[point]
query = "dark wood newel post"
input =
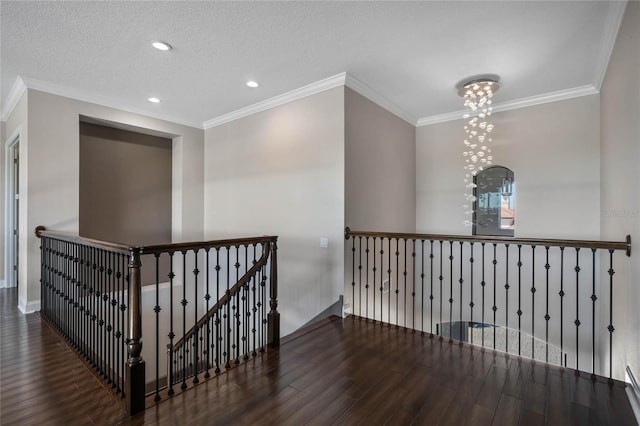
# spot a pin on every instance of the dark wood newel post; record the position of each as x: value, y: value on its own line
x: 135, y: 366
x: 273, y: 326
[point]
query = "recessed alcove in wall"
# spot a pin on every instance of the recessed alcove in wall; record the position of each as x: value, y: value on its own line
x: 125, y: 188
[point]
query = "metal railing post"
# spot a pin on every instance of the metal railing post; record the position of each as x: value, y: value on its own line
x: 135, y: 366
x: 273, y: 318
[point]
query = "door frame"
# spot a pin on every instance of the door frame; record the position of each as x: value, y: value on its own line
x: 9, y: 212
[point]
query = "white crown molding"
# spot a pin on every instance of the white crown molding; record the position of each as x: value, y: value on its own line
x: 366, y: 91
x: 342, y: 79
x: 440, y: 118
x: 560, y: 95
x: 15, y: 94
x: 293, y: 95
x: 613, y: 24
x: 108, y: 102
x: 545, y: 98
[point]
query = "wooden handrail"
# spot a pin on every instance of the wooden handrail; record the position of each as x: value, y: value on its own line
x: 608, y: 245
x: 198, y: 245
x: 41, y: 231
x: 225, y: 298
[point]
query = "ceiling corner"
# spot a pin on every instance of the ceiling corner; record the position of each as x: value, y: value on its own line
x: 358, y: 86
x: 614, y: 21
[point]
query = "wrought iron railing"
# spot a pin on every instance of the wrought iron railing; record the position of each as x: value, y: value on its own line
x: 93, y: 294
x: 523, y: 296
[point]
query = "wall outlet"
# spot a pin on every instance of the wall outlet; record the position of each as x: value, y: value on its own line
x: 324, y: 242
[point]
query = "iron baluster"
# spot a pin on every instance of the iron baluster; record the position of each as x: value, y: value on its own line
x: 561, y: 294
x: 366, y: 285
x: 450, y: 289
x: 593, y: 314
x: 519, y: 313
x: 218, y: 338
x: 236, y: 309
x: 610, y: 328
x: 156, y: 309
x: 471, y: 304
x: 353, y: 272
x: 506, y: 290
x: 547, y: 266
x: 184, y: 302
x: 494, y: 308
x: 413, y: 279
x: 483, y: 284
x: 431, y: 285
x: 196, y: 358
x: 439, y: 331
x: 577, y: 321
x: 207, y: 297
x: 460, y: 281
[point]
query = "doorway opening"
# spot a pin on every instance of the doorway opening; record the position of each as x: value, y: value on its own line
x: 12, y: 209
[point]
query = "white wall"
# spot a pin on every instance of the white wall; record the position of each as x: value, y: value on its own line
x: 50, y: 166
x: 620, y: 162
x: 281, y: 172
x: 553, y: 149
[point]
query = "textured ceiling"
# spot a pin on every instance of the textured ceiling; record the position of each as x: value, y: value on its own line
x: 411, y: 53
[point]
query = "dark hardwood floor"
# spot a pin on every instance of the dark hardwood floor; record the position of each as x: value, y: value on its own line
x: 340, y: 372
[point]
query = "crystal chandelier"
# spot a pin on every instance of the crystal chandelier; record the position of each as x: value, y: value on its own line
x: 477, y: 93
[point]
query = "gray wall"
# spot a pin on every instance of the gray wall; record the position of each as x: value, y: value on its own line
x: 125, y: 186
x: 281, y: 172
x: 620, y: 163
x: 380, y: 173
x: 380, y: 181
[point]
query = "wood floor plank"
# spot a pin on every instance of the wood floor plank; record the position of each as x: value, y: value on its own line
x: 508, y: 411
x: 344, y: 371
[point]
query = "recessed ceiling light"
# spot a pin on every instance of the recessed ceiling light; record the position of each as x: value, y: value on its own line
x: 154, y: 100
x: 160, y: 45
x: 252, y: 84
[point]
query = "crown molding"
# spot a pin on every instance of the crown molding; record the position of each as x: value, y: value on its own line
x: 366, y: 91
x: 15, y: 94
x: 613, y: 24
x: 440, y: 118
x: 78, y: 95
x: 560, y: 95
x: 342, y: 79
x: 293, y: 95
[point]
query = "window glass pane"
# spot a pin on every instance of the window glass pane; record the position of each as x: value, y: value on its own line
x: 494, y: 208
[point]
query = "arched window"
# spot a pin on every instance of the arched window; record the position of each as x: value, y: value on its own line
x: 494, y: 208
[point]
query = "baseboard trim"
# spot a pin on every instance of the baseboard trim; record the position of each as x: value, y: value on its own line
x: 28, y: 307
x: 633, y: 392
x: 334, y: 309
